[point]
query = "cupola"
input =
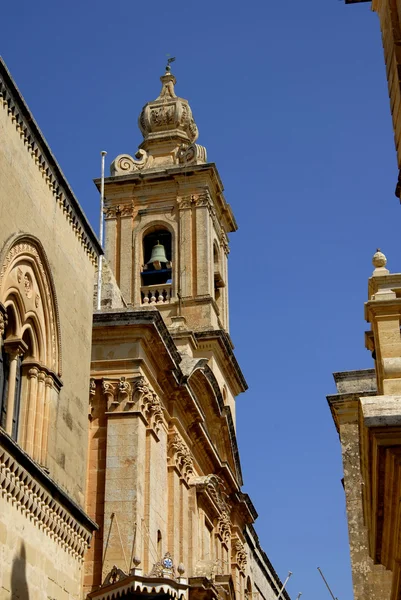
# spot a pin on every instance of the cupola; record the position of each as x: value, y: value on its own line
x: 169, y: 134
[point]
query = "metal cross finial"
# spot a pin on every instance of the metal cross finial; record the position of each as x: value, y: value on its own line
x: 170, y: 60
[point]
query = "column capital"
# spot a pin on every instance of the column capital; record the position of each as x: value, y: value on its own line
x: 15, y: 347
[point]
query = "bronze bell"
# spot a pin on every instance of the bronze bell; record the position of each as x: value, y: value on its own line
x: 158, y: 256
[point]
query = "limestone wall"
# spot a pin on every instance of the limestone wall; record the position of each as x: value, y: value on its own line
x: 27, y: 205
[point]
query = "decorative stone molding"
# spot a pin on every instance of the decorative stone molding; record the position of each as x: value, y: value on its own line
x: 214, y: 487
x: 124, y: 395
x: 124, y: 163
x: 168, y: 114
x: 26, y: 248
x: 36, y: 146
x: 149, y: 403
x: 239, y: 555
x: 118, y: 584
x: 164, y: 568
x: 29, y: 497
x: 224, y: 527
x: 194, y: 154
x: 180, y: 456
x: 112, y: 212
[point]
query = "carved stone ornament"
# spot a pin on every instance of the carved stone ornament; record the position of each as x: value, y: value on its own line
x: 114, y: 576
x: 239, y: 554
x: 92, y: 387
x: 112, y: 212
x: 224, y: 528
x: 164, y: 568
x: 124, y: 163
x: 180, y: 456
x: 193, y: 154
x: 118, y: 394
x: 26, y: 249
x: 34, y: 500
x: 214, y: 487
x: 148, y: 402
x: 168, y: 113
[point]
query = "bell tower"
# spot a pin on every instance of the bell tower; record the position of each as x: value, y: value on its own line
x: 167, y: 221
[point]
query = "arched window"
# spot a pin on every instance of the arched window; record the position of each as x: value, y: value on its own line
x: 218, y: 279
x: 159, y: 544
x: 30, y: 364
x: 156, y: 271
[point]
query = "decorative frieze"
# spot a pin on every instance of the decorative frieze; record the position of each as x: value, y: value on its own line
x: 119, y: 210
x: 28, y: 496
x: 123, y: 395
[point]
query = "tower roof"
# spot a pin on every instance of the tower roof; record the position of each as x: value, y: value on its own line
x: 169, y: 134
x: 167, y: 117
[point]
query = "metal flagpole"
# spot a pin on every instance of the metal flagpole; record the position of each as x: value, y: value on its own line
x: 99, y: 272
x: 327, y: 585
x: 285, y: 583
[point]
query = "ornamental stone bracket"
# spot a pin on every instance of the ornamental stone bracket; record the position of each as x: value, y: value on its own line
x: 180, y: 456
x: 223, y: 528
x: 238, y: 554
x: 130, y: 396
x: 213, y: 488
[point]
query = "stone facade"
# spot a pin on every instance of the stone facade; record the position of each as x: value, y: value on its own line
x: 367, y: 408
x: 119, y: 466
x: 164, y: 478
x: 46, y: 274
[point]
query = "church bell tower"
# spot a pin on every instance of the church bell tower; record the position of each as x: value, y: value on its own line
x: 166, y: 219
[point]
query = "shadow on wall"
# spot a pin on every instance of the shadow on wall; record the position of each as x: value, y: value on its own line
x: 19, y: 585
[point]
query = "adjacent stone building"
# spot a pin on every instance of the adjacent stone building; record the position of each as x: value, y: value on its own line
x: 48, y: 254
x: 367, y: 408
x: 119, y: 466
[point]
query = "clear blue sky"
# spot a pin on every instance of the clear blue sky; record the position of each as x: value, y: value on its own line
x: 291, y: 102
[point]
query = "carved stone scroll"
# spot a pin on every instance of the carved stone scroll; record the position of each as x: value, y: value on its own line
x: 194, y: 154
x: 124, y: 163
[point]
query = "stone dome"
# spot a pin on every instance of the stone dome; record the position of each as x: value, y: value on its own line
x: 168, y: 118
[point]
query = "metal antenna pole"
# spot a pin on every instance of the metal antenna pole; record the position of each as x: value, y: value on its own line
x: 299, y: 595
x: 285, y: 583
x: 99, y: 272
x: 327, y: 585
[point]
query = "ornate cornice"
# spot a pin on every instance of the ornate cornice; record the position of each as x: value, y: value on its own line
x: 31, y: 136
x: 38, y: 498
x: 132, y: 395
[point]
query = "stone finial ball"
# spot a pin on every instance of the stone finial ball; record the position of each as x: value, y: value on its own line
x: 379, y: 259
x: 181, y: 569
x: 136, y: 561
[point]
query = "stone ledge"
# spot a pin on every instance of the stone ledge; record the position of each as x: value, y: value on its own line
x: 24, y: 483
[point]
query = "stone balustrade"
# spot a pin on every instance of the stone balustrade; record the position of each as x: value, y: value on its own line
x: 156, y: 294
